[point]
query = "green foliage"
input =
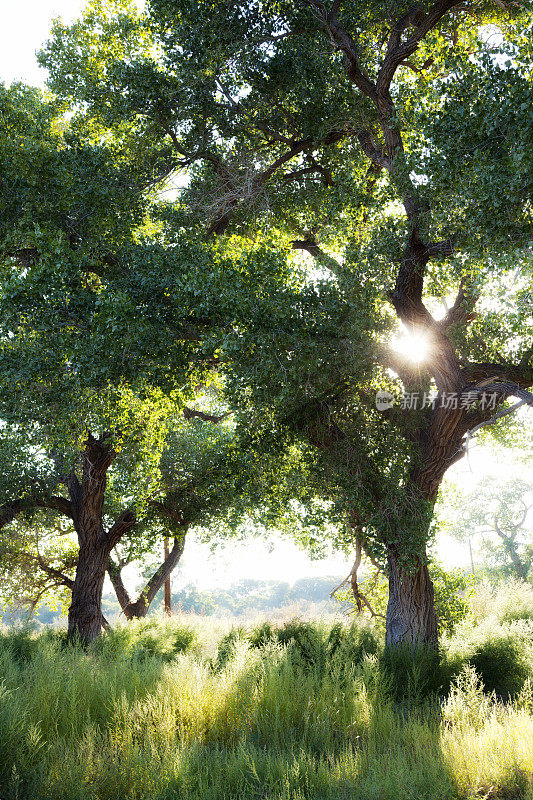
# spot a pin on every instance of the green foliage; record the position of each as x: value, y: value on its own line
x: 222, y: 95
x: 139, y: 639
x: 115, y: 304
x: 146, y: 638
x: 451, y: 596
x: 501, y: 666
x: 411, y: 676
x: 311, y: 646
x: 494, y: 518
x: 226, y: 648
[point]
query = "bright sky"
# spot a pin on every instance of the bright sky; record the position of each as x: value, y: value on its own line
x: 24, y: 29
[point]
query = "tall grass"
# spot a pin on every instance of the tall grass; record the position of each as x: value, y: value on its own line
x: 294, y: 711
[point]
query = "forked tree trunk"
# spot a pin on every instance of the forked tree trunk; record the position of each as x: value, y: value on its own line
x: 411, y: 617
x: 139, y: 608
x: 87, y: 501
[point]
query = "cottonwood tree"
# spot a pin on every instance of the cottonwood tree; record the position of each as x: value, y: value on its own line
x: 103, y: 333
x: 389, y: 142
x: 94, y: 493
x: 497, y: 517
x: 74, y: 392
x: 38, y: 549
x: 205, y: 477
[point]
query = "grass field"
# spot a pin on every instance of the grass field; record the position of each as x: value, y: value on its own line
x: 193, y: 709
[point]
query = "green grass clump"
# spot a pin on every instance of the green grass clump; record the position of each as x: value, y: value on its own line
x: 147, y: 637
x: 317, y: 647
x: 501, y: 665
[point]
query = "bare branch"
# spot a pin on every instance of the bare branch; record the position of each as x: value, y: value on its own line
x: 361, y: 601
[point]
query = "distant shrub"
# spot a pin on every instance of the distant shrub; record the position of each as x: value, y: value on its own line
x: 147, y: 637
x: 501, y: 666
x: 226, y: 648
x: 508, y: 601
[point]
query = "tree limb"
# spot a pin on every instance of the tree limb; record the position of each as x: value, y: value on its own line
x: 311, y: 246
x: 190, y: 413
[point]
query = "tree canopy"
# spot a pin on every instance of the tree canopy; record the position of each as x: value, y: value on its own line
x: 346, y: 170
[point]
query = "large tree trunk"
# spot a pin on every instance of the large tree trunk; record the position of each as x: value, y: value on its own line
x: 85, y: 612
x: 411, y: 617
x: 85, y: 618
x: 168, y: 595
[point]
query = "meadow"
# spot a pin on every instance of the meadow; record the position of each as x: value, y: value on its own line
x: 194, y: 708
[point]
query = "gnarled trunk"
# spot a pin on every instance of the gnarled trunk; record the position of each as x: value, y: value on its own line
x: 411, y: 617
x: 85, y: 612
x: 85, y: 618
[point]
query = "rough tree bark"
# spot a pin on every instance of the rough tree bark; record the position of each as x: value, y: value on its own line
x: 95, y: 542
x: 411, y: 617
x: 168, y: 595
x: 85, y: 508
x: 139, y: 608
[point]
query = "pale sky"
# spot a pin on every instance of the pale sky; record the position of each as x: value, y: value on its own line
x: 24, y: 28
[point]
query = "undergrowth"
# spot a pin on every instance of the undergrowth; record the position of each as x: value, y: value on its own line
x: 163, y: 709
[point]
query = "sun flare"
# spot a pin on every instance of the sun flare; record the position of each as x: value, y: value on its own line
x: 413, y: 346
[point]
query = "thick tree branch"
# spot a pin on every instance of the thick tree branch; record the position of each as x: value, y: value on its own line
x: 115, y: 575
x: 60, y: 504
x: 9, y: 511
x: 398, y: 50
x: 311, y: 246
x: 61, y: 578
x: 139, y: 607
x: 462, y: 309
x: 342, y: 39
x: 520, y: 374
x: 503, y: 390
x: 159, y: 577
x: 190, y: 413
x: 122, y: 525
